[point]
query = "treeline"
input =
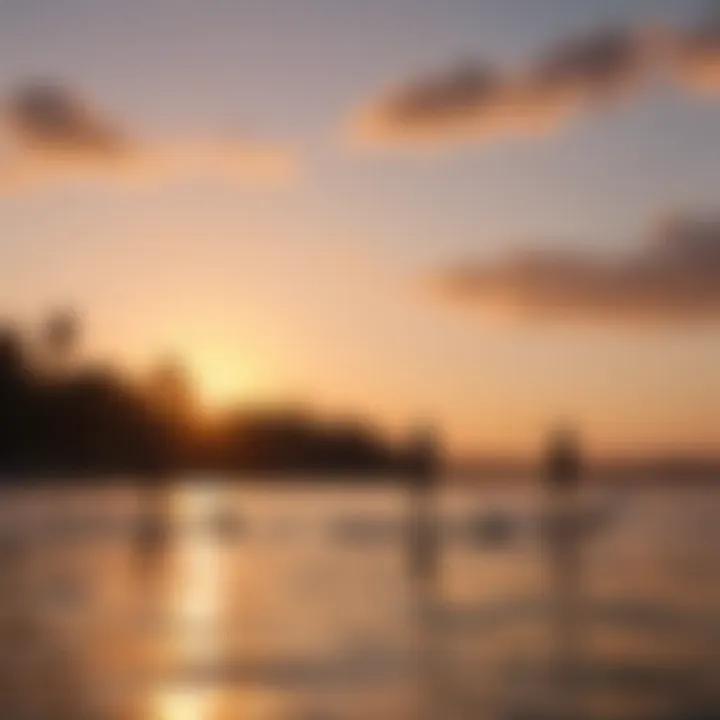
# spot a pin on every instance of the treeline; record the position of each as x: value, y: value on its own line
x: 63, y: 418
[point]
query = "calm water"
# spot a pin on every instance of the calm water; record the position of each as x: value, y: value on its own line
x: 297, y: 603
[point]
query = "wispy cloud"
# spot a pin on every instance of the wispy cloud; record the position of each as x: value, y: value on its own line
x: 673, y: 277
x: 49, y: 134
x: 480, y: 102
x: 696, y: 58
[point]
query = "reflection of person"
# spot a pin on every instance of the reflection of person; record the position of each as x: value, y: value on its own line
x: 152, y: 531
x: 152, y: 546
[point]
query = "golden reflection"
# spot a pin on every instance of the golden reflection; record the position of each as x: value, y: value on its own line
x: 185, y: 704
x: 193, y: 605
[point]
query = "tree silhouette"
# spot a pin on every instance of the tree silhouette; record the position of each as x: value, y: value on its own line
x: 60, y: 417
x: 61, y: 336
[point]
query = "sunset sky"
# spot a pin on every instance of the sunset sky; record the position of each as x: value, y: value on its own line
x: 203, y: 179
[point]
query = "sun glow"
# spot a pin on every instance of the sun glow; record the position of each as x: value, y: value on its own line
x: 222, y: 383
x: 219, y: 392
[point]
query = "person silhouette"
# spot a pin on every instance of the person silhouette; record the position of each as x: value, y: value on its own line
x: 563, y: 464
x: 423, y: 469
x: 562, y: 476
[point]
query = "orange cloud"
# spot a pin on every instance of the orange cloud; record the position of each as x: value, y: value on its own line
x: 478, y: 102
x: 51, y: 135
x: 697, y: 59
x: 674, y: 277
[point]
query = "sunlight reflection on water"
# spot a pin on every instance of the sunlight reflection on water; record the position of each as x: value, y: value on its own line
x: 301, y: 606
x: 195, y: 598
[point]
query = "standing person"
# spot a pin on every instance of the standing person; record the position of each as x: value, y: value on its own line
x: 562, y: 476
x: 423, y: 466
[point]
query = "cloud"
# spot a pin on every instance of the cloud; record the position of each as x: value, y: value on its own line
x: 674, y: 277
x: 49, y: 134
x: 479, y: 102
x: 50, y: 117
x: 697, y: 59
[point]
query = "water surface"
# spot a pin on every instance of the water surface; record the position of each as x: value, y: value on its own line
x: 296, y: 601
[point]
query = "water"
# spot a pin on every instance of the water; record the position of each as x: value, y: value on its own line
x: 296, y: 602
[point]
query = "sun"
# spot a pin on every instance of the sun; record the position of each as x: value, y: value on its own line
x: 222, y: 383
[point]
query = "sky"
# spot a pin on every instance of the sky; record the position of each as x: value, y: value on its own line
x: 206, y: 192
